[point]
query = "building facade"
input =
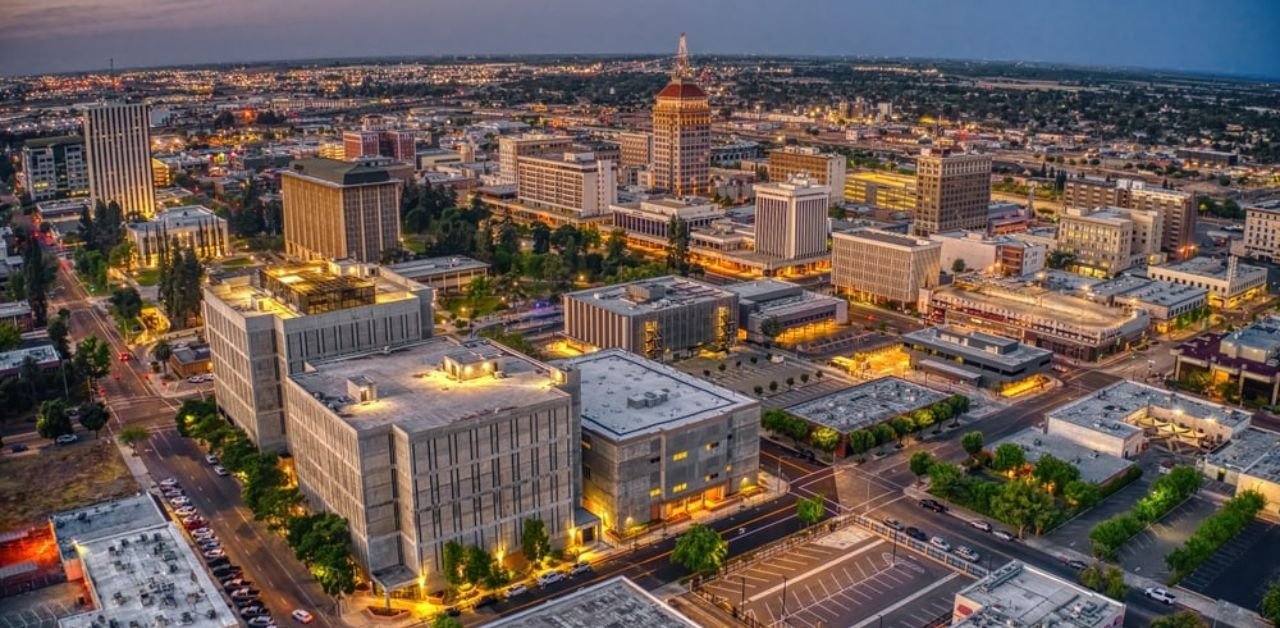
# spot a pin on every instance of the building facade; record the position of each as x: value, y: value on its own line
x: 193, y: 226
x: 1175, y: 207
x: 953, y: 192
x: 1262, y: 231
x: 881, y: 189
x: 357, y: 144
x: 821, y: 168
x: 54, y: 167
x: 1229, y: 283
x: 573, y: 183
x: 682, y: 135
x: 990, y: 360
x: 791, y: 218
x: 512, y: 148
x: 794, y: 310
x: 117, y: 139
x: 336, y: 210
x: 884, y: 267
x: 657, y: 318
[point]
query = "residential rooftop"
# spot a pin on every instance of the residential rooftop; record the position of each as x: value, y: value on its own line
x: 1094, y: 466
x: 432, y: 384
x: 625, y: 395
x: 42, y: 354
x: 866, y: 404
x: 980, y: 346
x: 1116, y: 407
x: 1254, y: 452
x: 651, y: 295
x: 614, y: 603
x: 1021, y: 595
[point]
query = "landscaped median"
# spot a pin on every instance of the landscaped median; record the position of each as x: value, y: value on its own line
x: 1165, y: 495
x: 1214, y: 532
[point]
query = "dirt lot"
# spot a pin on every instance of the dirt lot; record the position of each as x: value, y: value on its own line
x: 60, y: 478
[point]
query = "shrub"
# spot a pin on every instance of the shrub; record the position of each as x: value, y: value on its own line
x: 1214, y: 532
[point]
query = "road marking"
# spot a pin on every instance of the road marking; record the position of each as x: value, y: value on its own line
x: 907, y: 600
x: 818, y: 569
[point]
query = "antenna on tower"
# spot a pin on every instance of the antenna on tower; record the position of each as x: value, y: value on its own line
x: 682, y: 59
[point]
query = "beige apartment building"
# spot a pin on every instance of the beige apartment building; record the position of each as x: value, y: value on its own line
x: 1176, y: 208
x: 1262, y: 231
x: 264, y: 326
x: 445, y: 440
x: 335, y: 210
x: 791, y: 218
x: 570, y: 183
x: 511, y: 149
x: 822, y: 168
x: 1108, y: 240
x: 636, y: 149
x: 953, y: 192
x: 884, y: 267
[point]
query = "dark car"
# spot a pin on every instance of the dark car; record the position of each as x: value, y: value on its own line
x: 932, y: 504
x: 19, y: 448
x: 1075, y: 563
x: 452, y: 611
x: 485, y: 600
x: 916, y: 533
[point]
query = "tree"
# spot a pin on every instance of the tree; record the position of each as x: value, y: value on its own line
x: 957, y: 266
x: 92, y: 359
x: 1008, y: 457
x: 770, y: 329
x: 35, y: 278
x: 126, y: 303
x: 825, y: 438
x: 944, y: 479
x: 94, y: 417
x: 861, y: 441
x: 1081, y: 494
x: 700, y: 549
x: 452, y: 563
x: 1054, y: 473
x: 534, y: 541
x: 131, y: 436
x: 810, y: 510
x: 541, y: 238
x: 10, y: 336
x: 678, y: 246
x: 477, y: 565
x: 1180, y: 619
x: 121, y: 256
x: 972, y: 443
x: 162, y: 352
x: 921, y: 462
x: 1022, y: 504
x: 443, y: 620
x: 1271, y: 603
x: 883, y: 433
x: 53, y: 421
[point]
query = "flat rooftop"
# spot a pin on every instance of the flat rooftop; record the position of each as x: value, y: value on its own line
x: 761, y: 288
x: 651, y: 295
x: 980, y: 346
x: 888, y: 237
x: 416, y: 393
x: 866, y: 404
x: 333, y: 172
x: 1021, y: 595
x: 140, y: 569
x: 1114, y: 408
x: 183, y: 217
x: 1213, y: 268
x: 614, y: 603
x: 42, y: 354
x: 625, y: 395
x: 436, y: 265
x: 1255, y: 452
x: 1029, y: 300
x: 245, y: 293
x: 1094, y: 466
x: 1163, y: 293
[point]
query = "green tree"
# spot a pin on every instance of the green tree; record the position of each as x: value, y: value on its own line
x: 1022, y: 504
x: 35, y: 279
x: 453, y: 560
x: 1081, y: 494
x: 678, y: 246
x: 972, y: 443
x: 443, y: 620
x: 92, y: 359
x: 94, y: 417
x: 1008, y: 457
x: 1055, y: 473
x: 770, y: 328
x: 477, y: 565
x: 1271, y: 603
x: 883, y: 433
x: 945, y: 479
x: 541, y: 238
x: 861, y: 441
x: 825, y: 439
x: 126, y: 304
x: 162, y: 352
x: 10, y: 336
x: 534, y: 541
x: 921, y: 462
x: 700, y: 549
x: 1180, y: 619
x: 131, y: 436
x: 810, y: 510
x: 121, y: 256
x: 957, y: 266
x: 59, y: 333
x: 52, y: 420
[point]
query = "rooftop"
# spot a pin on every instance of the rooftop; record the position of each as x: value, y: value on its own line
x: 432, y: 384
x: 436, y: 265
x: 624, y: 395
x: 1255, y: 452
x: 762, y: 289
x: 651, y: 295
x: 887, y: 237
x: 290, y: 291
x: 338, y: 173
x: 678, y: 88
x: 614, y: 603
x: 1115, y: 408
x: 41, y: 142
x: 1094, y: 466
x: 1212, y: 268
x: 178, y: 218
x: 42, y: 354
x: 983, y: 347
x: 866, y: 404
x: 1030, y: 300
x: 1018, y: 595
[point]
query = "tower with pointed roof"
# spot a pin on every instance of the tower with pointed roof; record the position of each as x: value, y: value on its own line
x: 682, y: 132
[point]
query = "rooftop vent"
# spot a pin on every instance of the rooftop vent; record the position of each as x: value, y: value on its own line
x: 362, y: 389
x: 648, y: 399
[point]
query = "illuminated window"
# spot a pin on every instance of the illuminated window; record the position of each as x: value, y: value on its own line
x: 679, y: 487
x: 714, y: 445
x: 680, y: 456
x: 728, y: 467
x: 655, y: 492
x: 586, y: 444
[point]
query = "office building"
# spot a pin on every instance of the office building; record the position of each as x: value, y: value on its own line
x: 658, y: 443
x: 797, y: 313
x: 1250, y: 462
x: 1208, y: 158
x: 444, y: 440
x: 445, y: 275
x: 635, y: 149
x: 117, y: 140
x: 1089, y: 192
x: 953, y: 192
x: 576, y: 183
x: 886, y: 190
x: 1095, y: 467
x: 264, y: 326
x: 1175, y: 207
x: 866, y: 405
x: 1000, y: 255
x: 614, y: 603
x: 1247, y: 359
x: 682, y: 133
x: 973, y: 357
x: 357, y: 144
x: 1229, y: 283
x: 54, y: 167
x: 884, y: 267
x: 1170, y: 306
x: 822, y: 168
x: 190, y: 227
x: 1107, y: 240
x: 1018, y: 594
x: 791, y: 218
x: 657, y: 318
x: 1262, y: 230
x: 512, y: 148
x: 336, y: 210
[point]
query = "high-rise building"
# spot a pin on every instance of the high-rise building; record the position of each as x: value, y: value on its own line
x: 953, y: 192
x: 336, y: 210
x: 1176, y: 207
x: 1107, y: 240
x: 511, y: 149
x: 1262, y: 230
x: 822, y: 168
x: 54, y: 167
x: 682, y: 133
x: 264, y: 326
x: 636, y: 149
x: 117, y: 139
x: 884, y: 267
x: 357, y: 144
x: 881, y: 189
x: 791, y: 218
x: 399, y: 145
x: 573, y: 183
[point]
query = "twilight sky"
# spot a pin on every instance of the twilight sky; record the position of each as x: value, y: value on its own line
x: 1222, y: 36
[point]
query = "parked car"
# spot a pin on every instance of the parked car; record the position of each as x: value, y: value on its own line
x: 226, y: 570
x: 253, y: 611
x: 1160, y: 595
x: 932, y: 504
x: 231, y: 584
x: 485, y: 600
x: 19, y: 448
x: 518, y: 589
x: 1077, y: 564
x: 211, y: 459
x: 893, y: 524
x: 580, y: 569
x: 916, y: 533
x: 66, y: 439
x: 245, y: 600
x: 1003, y: 535
x: 981, y: 525
x: 301, y: 616
x: 203, y: 533
x: 261, y: 621
x: 220, y: 470
x: 968, y: 554
x: 179, y: 501
x: 221, y: 561
x: 215, y: 553
x: 940, y: 543
x: 193, y: 523
x: 245, y: 592
x: 185, y: 511
x: 549, y: 578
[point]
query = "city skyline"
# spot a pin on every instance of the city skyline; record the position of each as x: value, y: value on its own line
x: 82, y: 35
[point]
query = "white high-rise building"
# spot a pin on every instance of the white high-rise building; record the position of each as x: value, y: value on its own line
x: 791, y: 218
x: 117, y: 140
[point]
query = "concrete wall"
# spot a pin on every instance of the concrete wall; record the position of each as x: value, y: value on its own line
x: 1113, y: 444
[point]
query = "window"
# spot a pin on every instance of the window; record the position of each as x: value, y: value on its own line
x: 678, y: 456
x: 655, y: 460
x: 713, y: 476
x: 711, y: 446
x: 655, y: 492
x: 586, y: 444
x: 679, y: 487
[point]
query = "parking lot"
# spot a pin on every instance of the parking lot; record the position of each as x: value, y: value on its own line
x: 41, y: 608
x: 844, y: 578
x: 1241, y: 570
x: 742, y: 375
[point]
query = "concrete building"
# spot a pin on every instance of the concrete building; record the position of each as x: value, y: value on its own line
x: 571, y: 183
x: 445, y: 275
x: 867, y: 404
x: 880, y: 266
x: 1208, y: 158
x: 657, y: 318
x: 791, y: 218
x: 1105, y: 241
x: 117, y: 139
x: 952, y: 192
x: 1175, y: 207
x: 682, y: 133
x: 636, y: 149
x: 822, y: 168
x: 1262, y: 230
x: 336, y: 210
x: 264, y: 326
x: 1170, y: 306
x: 798, y: 313
x: 45, y: 357
x: 1000, y: 255
x: 137, y: 568
x: 1124, y: 418
x: 1089, y: 192
x: 192, y: 226
x: 54, y: 167
x: 1250, y: 462
x: 359, y: 143
x: 1247, y: 358
x: 1067, y: 324
x: 1095, y: 467
x: 658, y: 443
x: 974, y: 357
x: 512, y: 148
x: 1229, y: 283
x: 445, y: 440
x: 1018, y: 594
x: 887, y: 190
x: 613, y: 603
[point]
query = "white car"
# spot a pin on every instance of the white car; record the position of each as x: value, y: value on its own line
x: 203, y: 533
x: 180, y: 501
x: 515, y: 590
x: 66, y: 439
x: 194, y: 379
x: 168, y: 482
x: 185, y: 511
x: 221, y: 470
x: 211, y: 459
x: 968, y: 554
x: 301, y: 616
x: 939, y: 543
x: 980, y: 525
x: 549, y: 578
x: 1002, y: 535
x: 1160, y: 595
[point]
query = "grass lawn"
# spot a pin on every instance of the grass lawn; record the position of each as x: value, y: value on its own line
x: 236, y: 262
x: 69, y: 477
x: 475, y: 307
x: 417, y: 245
x: 148, y: 277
